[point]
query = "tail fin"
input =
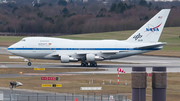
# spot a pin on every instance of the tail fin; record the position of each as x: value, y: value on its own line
x: 151, y: 31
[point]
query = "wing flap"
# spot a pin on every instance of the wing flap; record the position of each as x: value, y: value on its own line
x: 84, y: 53
x: 111, y: 52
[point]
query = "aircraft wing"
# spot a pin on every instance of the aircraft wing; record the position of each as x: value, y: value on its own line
x: 103, y: 52
x: 108, y: 51
x: 78, y: 53
x: 84, y: 53
x: 111, y: 52
x: 151, y: 46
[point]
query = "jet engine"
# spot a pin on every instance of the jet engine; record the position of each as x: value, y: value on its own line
x: 67, y: 59
x: 90, y: 57
x: 64, y: 59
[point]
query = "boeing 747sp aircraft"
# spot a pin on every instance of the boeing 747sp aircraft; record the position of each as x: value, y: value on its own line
x: 89, y: 51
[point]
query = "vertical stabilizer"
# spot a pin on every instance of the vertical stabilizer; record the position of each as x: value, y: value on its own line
x: 151, y: 31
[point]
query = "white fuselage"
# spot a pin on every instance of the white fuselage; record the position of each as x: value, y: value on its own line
x: 52, y: 48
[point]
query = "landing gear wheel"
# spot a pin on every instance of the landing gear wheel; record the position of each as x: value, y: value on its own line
x: 84, y: 64
x: 29, y: 63
x: 93, y: 64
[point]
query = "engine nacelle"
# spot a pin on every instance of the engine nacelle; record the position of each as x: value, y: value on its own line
x: 67, y: 59
x: 90, y: 57
x: 64, y: 59
x: 98, y: 58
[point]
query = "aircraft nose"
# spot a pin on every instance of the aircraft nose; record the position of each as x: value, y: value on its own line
x: 10, y: 49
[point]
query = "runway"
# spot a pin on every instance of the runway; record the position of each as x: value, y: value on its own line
x: 3, y: 50
x: 172, y: 64
x: 150, y: 60
x: 110, y: 66
x: 109, y: 69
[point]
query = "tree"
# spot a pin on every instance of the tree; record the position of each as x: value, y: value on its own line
x: 62, y: 2
x: 50, y: 4
x: 40, y: 14
x: 121, y: 7
x: 113, y: 7
x: 49, y: 19
x: 150, y: 4
x: 101, y: 12
x: 65, y: 11
x: 14, y: 9
x: 142, y: 3
x: 173, y: 7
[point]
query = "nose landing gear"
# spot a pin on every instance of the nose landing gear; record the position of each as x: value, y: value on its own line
x: 29, y: 63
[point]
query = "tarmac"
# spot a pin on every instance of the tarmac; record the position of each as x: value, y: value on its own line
x: 172, y: 64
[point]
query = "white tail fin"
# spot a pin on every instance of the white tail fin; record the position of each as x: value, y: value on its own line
x: 151, y: 31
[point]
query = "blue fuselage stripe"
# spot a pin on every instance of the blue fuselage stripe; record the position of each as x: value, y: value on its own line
x: 80, y: 49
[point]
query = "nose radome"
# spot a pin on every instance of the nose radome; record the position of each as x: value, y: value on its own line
x: 11, y: 48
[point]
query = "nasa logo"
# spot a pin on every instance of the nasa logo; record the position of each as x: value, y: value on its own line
x: 154, y: 28
x: 137, y: 36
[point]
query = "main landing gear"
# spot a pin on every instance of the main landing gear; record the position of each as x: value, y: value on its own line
x: 94, y: 64
x: 85, y: 64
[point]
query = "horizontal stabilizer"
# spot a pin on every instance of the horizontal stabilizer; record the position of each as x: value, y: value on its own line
x: 151, y: 46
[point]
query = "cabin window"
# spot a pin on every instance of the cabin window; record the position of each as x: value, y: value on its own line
x: 23, y: 40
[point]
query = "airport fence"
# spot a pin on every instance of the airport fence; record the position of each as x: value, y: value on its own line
x: 67, y: 97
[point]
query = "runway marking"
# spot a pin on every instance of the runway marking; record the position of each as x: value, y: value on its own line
x: 46, y: 74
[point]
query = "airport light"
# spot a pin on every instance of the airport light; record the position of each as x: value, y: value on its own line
x: 57, y: 78
x: 12, y: 85
x: 15, y: 84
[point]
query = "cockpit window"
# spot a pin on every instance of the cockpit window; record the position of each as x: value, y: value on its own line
x: 23, y: 40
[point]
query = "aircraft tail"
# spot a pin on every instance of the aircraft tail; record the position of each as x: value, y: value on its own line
x: 151, y: 31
